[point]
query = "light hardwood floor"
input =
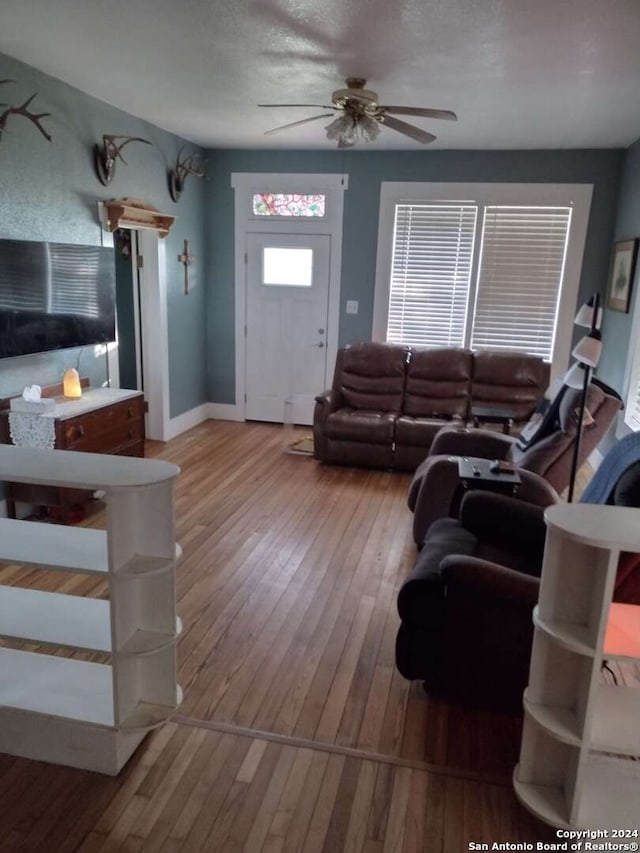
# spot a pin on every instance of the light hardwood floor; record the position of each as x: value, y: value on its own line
x: 296, y: 732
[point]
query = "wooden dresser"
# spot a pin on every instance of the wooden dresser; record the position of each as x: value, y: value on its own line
x: 103, y: 420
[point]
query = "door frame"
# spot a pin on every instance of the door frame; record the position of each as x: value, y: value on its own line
x: 154, y: 327
x: 247, y: 183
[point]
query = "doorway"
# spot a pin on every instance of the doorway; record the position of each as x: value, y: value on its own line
x: 128, y: 310
x: 286, y: 330
x: 290, y: 359
x: 141, y: 297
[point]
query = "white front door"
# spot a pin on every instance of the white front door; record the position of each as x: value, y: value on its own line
x: 287, y: 315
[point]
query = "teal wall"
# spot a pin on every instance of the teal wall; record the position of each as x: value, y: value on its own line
x: 616, y: 326
x: 49, y: 191
x: 366, y: 171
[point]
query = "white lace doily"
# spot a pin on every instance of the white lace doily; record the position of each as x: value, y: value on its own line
x: 32, y: 430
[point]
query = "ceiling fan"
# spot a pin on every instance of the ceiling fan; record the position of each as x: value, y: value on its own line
x: 357, y: 116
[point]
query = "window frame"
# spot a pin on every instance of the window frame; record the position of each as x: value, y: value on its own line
x: 578, y: 196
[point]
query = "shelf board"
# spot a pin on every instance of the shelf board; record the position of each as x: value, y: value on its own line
x: 610, y: 797
x: 615, y: 725
x: 81, y: 470
x: 149, y: 716
x: 616, y: 711
x: 54, y: 619
x: 143, y: 564
x: 611, y: 793
x: 622, y: 638
x: 562, y: 723
x: 71, y: 689
x: 546, y: 802
x: 146, y: 642
x: 53, y: 546
x: 571, y: 635
x: 609, y: 527
x: 58, y: 687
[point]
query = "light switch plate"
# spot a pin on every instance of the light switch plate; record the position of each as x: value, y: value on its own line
x: 352, y: 306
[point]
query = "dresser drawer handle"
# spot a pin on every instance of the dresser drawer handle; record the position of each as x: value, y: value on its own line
x: 130, y: 433
x: 130, y: 412
x: 80, y: 431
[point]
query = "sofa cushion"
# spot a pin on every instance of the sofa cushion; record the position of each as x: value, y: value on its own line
x: 373, y: 376
x: 356, y: 425
x: 438, y: 382
x: 511, y: 379
x: 417, y: 432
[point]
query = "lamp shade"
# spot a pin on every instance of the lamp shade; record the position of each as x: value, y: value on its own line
x: 585, y: 315
x: 588, y: 350
x: 71, y: 383
x: 574, y: 377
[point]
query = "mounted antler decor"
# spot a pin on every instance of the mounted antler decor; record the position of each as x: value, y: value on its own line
x: 105, y: 155
x: 22, y: 110
x: 177, y: 176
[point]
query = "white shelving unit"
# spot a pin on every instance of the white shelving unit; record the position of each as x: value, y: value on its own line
x: 69, y: 711
x: 580, y: 734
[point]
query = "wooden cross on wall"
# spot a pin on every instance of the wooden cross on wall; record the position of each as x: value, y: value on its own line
x: 186, y: 258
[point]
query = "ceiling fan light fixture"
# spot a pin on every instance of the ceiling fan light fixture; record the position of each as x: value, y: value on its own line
x: 349, y: 129
x: 369, y: 128
x: 342, y: 129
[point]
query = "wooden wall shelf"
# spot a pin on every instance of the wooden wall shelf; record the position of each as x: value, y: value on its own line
x: 135, y: 213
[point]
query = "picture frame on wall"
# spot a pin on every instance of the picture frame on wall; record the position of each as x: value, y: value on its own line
x: 623, y: 263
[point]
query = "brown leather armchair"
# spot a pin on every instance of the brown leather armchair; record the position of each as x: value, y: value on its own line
x: 436, y: 489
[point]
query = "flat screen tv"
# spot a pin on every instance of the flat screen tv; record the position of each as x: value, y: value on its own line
x: 55, y: 296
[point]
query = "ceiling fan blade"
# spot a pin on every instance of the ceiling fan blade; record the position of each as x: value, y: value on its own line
x: 408, y: 129
x: 319, y: 106
x: 296, y: 123
x: 421, y: 111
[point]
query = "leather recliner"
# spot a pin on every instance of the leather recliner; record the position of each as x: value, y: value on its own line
x: 436, y: 489
x: 466, y: 606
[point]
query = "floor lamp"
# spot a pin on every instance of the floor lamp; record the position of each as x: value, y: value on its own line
x: 587, y: 354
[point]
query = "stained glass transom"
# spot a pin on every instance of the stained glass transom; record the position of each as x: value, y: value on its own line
x: 289, y: 204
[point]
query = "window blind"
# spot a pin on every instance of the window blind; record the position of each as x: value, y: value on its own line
x: 431, y: 273
x: 632, y: 407
x: 521, y: 268
x: 635, y: 405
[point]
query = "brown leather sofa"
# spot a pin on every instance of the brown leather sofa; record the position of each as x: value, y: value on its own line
x: 387, y: 402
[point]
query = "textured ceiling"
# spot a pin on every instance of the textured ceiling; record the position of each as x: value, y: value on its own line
x: 519, y: 73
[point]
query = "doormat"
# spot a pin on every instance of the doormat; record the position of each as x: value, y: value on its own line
x: 303, y: 446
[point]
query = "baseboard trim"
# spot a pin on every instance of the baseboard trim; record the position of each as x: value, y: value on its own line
x: 205, y: 412
x: 187, y: 420
x: 224, y: 412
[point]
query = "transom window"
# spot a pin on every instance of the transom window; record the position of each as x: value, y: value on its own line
x: 289, y: 204
x: 480, y: 273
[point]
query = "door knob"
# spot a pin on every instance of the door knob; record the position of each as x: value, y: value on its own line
x: 321, y: 331
x: 321, y: 344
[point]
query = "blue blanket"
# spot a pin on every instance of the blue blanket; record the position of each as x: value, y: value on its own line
x: 623, y: 454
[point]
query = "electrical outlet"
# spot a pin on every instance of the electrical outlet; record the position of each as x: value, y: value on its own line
x: 352, y: 306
